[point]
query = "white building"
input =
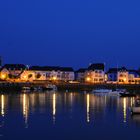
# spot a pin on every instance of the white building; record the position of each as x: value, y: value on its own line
x: 123, y: 76
x: 12, y: 71
x: 95, y: 73
x: 67, y: 74
x: 80, y: 74
x: 37, y: 73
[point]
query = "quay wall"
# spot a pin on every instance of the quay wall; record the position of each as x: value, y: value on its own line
x: 12, y: 86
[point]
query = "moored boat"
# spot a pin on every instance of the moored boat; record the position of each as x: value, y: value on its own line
x: 127, y: 94
x: 101, y: 91
x: 25, y: 89
x: 136, y: 108
x: 110, y: 92
x: 50, y: 87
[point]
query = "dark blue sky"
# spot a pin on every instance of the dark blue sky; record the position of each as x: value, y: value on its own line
x: 70, y: 32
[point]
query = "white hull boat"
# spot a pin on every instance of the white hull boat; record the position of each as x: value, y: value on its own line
x: 26, y: 89
x: 102, y: 91
x: 106, y: 92
x: 135, y: 110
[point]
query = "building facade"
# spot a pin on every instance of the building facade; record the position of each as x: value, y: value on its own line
x: 95, y: 73
x: 80, y: 75
x: 12, y: 71
x: 49, y: 73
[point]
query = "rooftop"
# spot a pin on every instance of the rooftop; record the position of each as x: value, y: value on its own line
x: 96, y: 66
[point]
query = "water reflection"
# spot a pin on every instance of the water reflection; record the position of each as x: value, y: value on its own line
x: 88, y: 119
x: 53, y: 105
x: 2, y: 105
x: 124, y: 110
x: 25, y: 109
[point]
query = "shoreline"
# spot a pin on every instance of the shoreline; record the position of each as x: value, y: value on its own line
x: 13, y: 86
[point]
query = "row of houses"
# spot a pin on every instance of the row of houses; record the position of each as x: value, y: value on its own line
x: 95, y: 73
x: 20, y: 72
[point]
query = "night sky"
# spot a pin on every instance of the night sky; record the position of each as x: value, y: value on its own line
x: 70, y: 32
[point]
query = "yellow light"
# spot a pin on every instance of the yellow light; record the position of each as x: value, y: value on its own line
x: 24, y: 76
x: 88, y: 118
x: 54, y: 78
x: 2, y: 105
x: 3, y: 76
x: 124, y: 109
x: 124, y: 79
x: 25, y: 109
x: 88, y: 79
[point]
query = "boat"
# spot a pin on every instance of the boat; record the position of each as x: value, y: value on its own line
x: 101, y: 91
x: 25, y: 89
x: 136, y: 108
x: 127, y: 94
x: 110, y: 92
x: 38, y: 89
x: 50, y: 87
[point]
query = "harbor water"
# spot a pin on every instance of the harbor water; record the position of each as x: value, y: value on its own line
x: 67, y: 116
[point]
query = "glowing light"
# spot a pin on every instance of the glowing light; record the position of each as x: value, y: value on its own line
x: 24, y: 76
x: 131, y: 102
x: 88, y: 79
x: 88, y: 119
x: 3, y: 76
x: 124, y: 79
x: 54, y: 106
x: 2, y: 105
x: 25, y: 110
x: 124, y: 110
x: 71, y: 98
x: 54, y: 78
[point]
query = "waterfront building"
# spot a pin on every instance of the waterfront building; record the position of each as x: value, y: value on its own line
x: 39, y: 73
x: 134, y: 77
x: 49, y: 73
x: 112, y: 75
x: 95, y: 73
x: 80, y: 74
x: 123, y: 76
x: 67, y: 74
x: 59, y: 73
x: 32, y: 74
x: 118, y: 75
x: 12, y: 71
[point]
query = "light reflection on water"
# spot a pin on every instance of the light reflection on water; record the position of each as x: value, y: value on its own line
x: 70, y: 106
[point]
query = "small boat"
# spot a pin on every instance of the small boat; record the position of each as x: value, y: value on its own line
x: 136, y: 109
x: 25, y: 89
x: 127, y: 94
x: 37, y: 89
x: 101, y: 91
x: 50, y: 87
x: 109, y: 92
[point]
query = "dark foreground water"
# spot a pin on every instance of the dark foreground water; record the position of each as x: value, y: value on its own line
x: 67, y: 116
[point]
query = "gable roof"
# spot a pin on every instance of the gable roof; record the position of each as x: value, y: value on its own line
x: 115, y: 70
x: 136, y: 72
x: 14, y: 67
x: 96, y: 66
x: 67, y: 69
x: 81, y: 70
x: 50, y: 68
x: 44, y: 68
